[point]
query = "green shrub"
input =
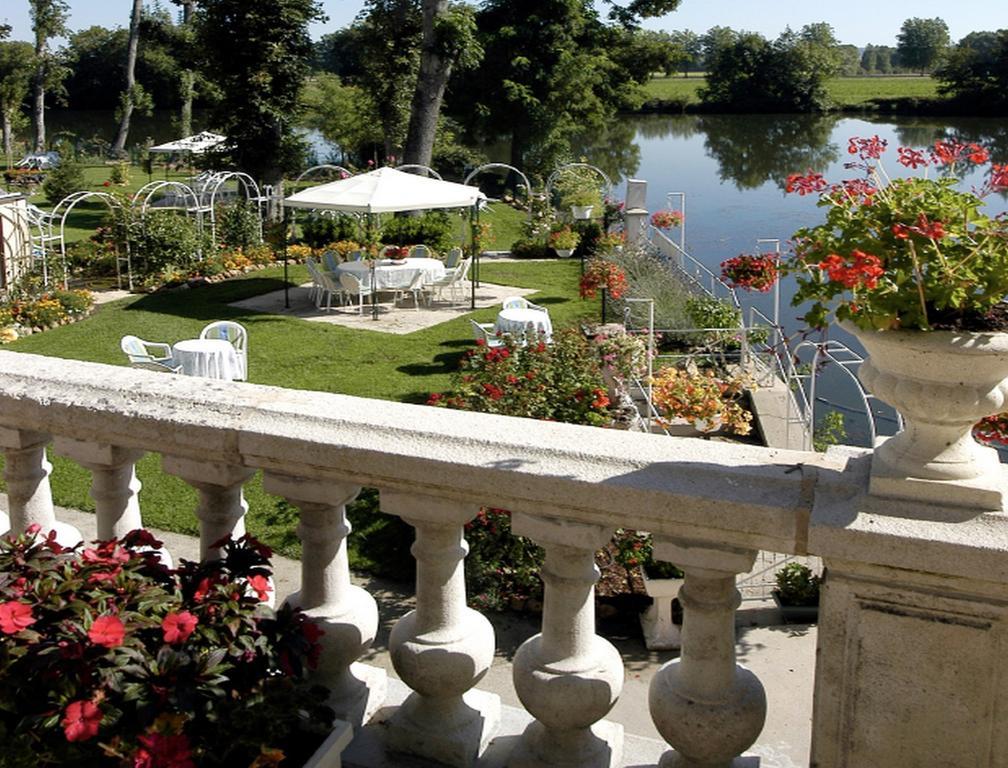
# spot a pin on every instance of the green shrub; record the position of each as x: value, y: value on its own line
x: 797, y: 585
x: 171, y: 239
x: 238, y: 225
x: 709, y: 312
x: 318, y: 229
x: 649, y: 278
x: 91, y: 259
x: 75, y: 302
x: 64, y: 180
x: 531, y: 249
x: 434, y: 229
x: 501, y: 567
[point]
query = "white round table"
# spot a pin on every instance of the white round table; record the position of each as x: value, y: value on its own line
x: 519, y: 321
x: 210, y: 358
x: 394, y: 275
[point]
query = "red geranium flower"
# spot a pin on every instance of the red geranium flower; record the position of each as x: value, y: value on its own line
x: 107, y: 631
x: 261, y: 586
x: 178, y: 625
x: 15, y: 616
x: 80, y: 721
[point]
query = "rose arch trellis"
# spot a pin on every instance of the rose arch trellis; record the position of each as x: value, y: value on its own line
x: 63, y: 209
x: 504, y: 166
x: 413, y: 167
x: 248, y: 185
x: 569, y: 167
x: 343, y: 172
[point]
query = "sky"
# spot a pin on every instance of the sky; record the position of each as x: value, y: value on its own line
x: 858, y: 22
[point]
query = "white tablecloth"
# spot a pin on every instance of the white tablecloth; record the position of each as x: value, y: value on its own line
x: 212, y: 358
x: 394, y: 276
x: 518, y: 321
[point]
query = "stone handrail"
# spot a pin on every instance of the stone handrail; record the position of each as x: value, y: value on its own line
x: 906, y: 583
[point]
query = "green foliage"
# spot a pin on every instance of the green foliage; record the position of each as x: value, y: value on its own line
x: 433, y: 228
x: 977, y: 69
x: 649, y: 278
x: 789, y: 74
x: 169, y: 239
x: 258, y: 54
x: 830, y: 431
x: 921, y: 43
x: 344, y: 114
x: 500, y: 567
x: 318, y: 230
x: 797, y: 585
x: 578, y: 186
x: 238, y: 225
x: 531, y: 249
x: 150, y: 660
x: 17, y: 63
x: 64, y: 180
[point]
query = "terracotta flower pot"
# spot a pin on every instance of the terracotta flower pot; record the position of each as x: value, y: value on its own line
x: 942, y: 382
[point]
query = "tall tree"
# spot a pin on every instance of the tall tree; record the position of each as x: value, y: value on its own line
x: 691, y: 45
x: 17, y: 63
x: 921, y: 43
x: 187, y: 81
x: 49, y: 19
x: 134, y: 91
x: 976, y: 69
x: 449, y: 39
x: 259, y: 54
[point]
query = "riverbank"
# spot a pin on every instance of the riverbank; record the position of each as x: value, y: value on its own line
x: 889, y: 95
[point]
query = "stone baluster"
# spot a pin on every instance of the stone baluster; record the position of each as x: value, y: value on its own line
x: 221, y: 508
x: 29, y: 496
x: 567, y: 677
x: 705, y: 705
x: 347, y: 613
x: 442, y: 648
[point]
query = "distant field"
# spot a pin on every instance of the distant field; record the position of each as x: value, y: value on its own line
x: 846, y: 91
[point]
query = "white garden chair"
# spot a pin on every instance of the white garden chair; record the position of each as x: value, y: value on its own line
x: 354, y: 286
x: 235, y: 333
x: 453, y: 280
x: 421, y: 252
x: 416, y: 287
x: 315, y: 292
x: 486, y: 333
x: 150, y: 355
x: 519, y: 302
x: 453, y: 258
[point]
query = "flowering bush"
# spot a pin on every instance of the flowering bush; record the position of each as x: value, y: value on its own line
x: 600, y: 273
x: 299, y: 252
x: 560, y: 381
x: 607, y: 241
x: 666, y: 219
x: 563, y: 239
x: 343, y: 247
x: 623, y: 354
x: 905, y: 252
x: 705, y: 401
x: 752, y: 272
x: 501, y: 568
x: 110, y: 659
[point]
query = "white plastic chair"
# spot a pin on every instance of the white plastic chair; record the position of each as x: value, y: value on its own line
x: 453, y: 280
x: 453, y: 257
x: 486, y: 333
x: 331, y: 261
x: 421, y: 252
x: 235, y: 333
x: 518, y: 302
x: 151, y: 355
x: 416, y: 287
x: 315, y: 292
x: 354, y: 286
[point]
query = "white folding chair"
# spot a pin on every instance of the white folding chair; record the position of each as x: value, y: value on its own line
x: 416, y: 287
x: 354, y: 286
x: 151, y: 355
x: 235, y: 333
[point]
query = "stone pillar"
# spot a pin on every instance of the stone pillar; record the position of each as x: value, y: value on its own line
x: 442, y: 648
x: 221, y: 509
x: 29, y: 496
x: 114, y: 484
x: 705, y: 705
x: 347, y: 613
x: 635, y: 212
x: 567, y: 677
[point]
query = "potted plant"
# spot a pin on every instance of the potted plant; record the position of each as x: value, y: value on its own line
x: 797, y: 594
x: 601, y: 273
x: 633, y: 550
x: 700, y: 399
x: 623, y: 356
x: 917, y: 272
x: 564, y: 240
x: 666, y: 219
x: 110, y: 658
x: 751, y: 272
x: 579, y: 190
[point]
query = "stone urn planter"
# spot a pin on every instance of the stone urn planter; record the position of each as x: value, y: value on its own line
x: 660, y: 633
x: 942, y: 382
x: 582, y: 212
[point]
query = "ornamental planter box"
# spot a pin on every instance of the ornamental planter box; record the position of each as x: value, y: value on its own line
x: 796, y: 614
x: 328, y: 755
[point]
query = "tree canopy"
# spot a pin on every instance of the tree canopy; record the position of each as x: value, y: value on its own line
x: 977, y: 69
x: 921, y: 43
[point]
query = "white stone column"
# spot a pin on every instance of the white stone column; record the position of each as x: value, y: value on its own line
x: 705, y: 705
x: 347, y: 613
x: 442, y: 648
x: 29, y: 497
x: 567, y: 676
x: 221, y: 508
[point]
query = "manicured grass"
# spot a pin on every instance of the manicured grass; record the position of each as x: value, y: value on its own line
x: 845, y: 91
x: 286, y: 352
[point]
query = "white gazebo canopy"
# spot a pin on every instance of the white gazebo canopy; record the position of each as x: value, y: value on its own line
x: 386, y: 190
x: 196, y: 145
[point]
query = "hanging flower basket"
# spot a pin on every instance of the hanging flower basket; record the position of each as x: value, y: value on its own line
x: 751, y: 272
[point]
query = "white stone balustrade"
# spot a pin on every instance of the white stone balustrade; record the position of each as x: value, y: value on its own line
x: 347, y: 614
x: 909, y: 661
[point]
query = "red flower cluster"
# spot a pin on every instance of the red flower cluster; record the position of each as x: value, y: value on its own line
x: 15, y: 616
x: 752, y: 272
x: 666, y: 219
x: 80, y: 720
x: 867, y: 148
x: 177, y: 626
x: 934, y: 230
x: 805, y: 184
x: 863, y: 272
x: 107, y: 631
x: 603, y: 274
x: 951, y: 152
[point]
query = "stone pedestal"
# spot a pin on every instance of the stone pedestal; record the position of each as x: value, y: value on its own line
x: 442, y: 648
x: 347, y: 614
x: 29, y: 495
x: 567, y: 677
x: 705, y: 705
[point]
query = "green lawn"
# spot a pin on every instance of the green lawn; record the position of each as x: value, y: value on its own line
x: 845, y: 91
x: 286, y: 352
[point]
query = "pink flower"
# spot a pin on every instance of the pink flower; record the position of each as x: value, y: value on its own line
x: 261, y: 586
x: 107, y: 631
x: 80, y: 721
x: 178, y: 625
x: 15, y: 616
x: 158, y: 750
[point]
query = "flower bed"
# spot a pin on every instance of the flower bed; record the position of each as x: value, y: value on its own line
x: 26, y: 314
x: 109, y: 658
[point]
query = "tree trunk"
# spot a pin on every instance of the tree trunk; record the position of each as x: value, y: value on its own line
x: 434, y: 73
x: 38, y: 110
x: 8, y: 131
x: 119, y: 145
x: 188, y: 79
